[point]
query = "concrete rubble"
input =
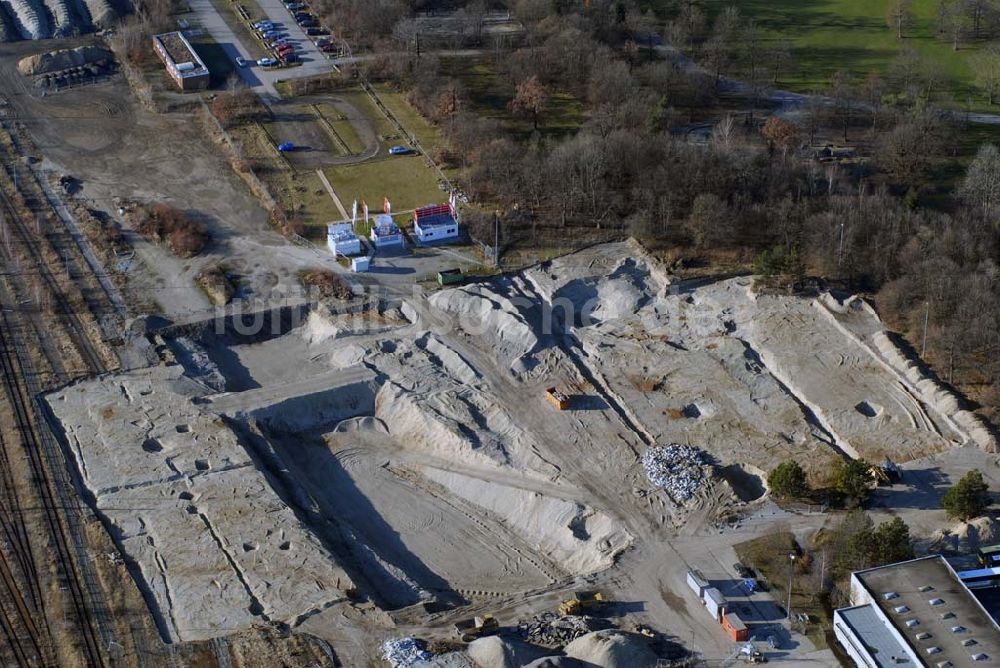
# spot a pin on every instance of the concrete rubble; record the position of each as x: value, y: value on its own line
x: 405, y: 652
x: 675, y: 468
x: 552, y: 630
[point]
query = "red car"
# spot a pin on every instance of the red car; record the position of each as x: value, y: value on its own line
x: 282, y: 50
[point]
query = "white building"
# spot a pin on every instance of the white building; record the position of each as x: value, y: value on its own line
x: 341, y: 239
x: 435, y: 222
x: 915, y: 613
x: 385, y: 232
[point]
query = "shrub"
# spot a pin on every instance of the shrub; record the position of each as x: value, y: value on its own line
x: 164, y: 223
x: 787, y: 479
x: 328, y: 284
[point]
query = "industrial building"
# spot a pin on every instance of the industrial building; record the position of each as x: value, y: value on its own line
x: 341, y: 239
x: 918, y: 613
x: 385, y: 233
x: 183, y: 64
x: 435, y: 222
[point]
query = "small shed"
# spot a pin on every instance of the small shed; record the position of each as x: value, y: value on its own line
x: 360, y: 263
x: 435, y: 222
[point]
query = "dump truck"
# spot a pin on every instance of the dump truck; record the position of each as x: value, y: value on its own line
x: 557, y: 398
x: 477, y: 627
x: 582, y: 601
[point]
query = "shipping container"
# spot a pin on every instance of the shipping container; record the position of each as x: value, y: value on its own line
x: 697, y: 582
x: 735, y: 627
x: 715, y: 602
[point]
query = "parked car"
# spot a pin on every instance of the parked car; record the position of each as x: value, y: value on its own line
x: 317, y: 30
x: 276, y: 42
x: 309, y: 23
x: 743, y: 571
x: 296, y: 6
x: 289, y: 57
x: 267, y: 62
x: 400, y: 150
x: 270, y: 34
x: 263, y: 25
x: 285, y: 147
x: 282, y: 50
x: 328, y: 47
x: 301, y: 15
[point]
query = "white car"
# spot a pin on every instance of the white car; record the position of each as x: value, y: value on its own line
x: 267, y: 62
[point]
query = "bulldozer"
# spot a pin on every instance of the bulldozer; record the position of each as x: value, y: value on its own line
x: 886, y: 473
x: 582, y: 601
x: 477, y: 627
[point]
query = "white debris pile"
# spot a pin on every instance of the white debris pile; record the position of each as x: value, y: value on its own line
x: 405, y: 652
x: 676, y: 468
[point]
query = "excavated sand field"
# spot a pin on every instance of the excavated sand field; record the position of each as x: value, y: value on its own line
x: 410, y: 456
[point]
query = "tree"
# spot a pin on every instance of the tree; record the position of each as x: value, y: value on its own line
x: 953, y: 21
x: 982, y: 180
x: 969, y: 498
x: 787, y: 479
x: 780, y: 134
x: 890, y: 542
x: 986, y: 71
x: 852, y: 480
x: 530, y: 99
x: 899, y: 16
x: 842, y: 92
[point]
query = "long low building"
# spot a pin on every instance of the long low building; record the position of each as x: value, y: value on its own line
x: 342, y: 240
x: 916, y: 613
x: 183, y: 63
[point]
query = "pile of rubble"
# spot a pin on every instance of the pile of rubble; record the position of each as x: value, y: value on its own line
x: 676, y: 468
x: 405, y: 652
x: 551, y: 630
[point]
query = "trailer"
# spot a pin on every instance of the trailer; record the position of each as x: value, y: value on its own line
x: 450, y: 277
x: 735, y: 627
x: 558, y: 399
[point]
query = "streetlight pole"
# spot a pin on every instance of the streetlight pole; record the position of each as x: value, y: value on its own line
x: 791, y: 569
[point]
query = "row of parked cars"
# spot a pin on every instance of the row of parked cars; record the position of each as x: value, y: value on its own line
x: 311, y: 25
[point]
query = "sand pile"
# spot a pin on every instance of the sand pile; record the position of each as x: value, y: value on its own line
x: 497, y: 652
x: 29, y: 19
x: 967, y: 536
x: 63, y: 59
x: 612, y: 649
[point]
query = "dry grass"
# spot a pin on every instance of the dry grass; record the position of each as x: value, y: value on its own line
x: 325, y: 284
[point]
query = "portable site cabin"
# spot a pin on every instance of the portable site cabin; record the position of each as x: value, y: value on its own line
x: 715, y: 602
x: 360, y: 264
x: 735, y: 627
x: 697, y: 582
x: 385, y: 232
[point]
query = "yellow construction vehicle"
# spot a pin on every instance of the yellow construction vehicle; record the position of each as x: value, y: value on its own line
x: 582, y: 601
x: 886, y: 473
x: 557, y: 398
x: 477, y: 627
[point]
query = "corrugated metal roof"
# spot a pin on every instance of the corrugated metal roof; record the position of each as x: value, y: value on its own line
x: 882, y: 646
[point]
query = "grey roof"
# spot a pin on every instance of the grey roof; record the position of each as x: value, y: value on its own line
x: 880, y: 643
x: 936, y: 606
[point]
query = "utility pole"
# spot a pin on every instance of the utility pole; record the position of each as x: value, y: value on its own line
x: 496, y: 239
x: 791, y: 570
x: 840, y: 251
x: 927, y: 316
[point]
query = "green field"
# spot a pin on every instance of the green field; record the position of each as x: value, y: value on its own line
x: 489, y: 93
x: 342, y: 127
x: 828, y: 35
x: 406, y: 180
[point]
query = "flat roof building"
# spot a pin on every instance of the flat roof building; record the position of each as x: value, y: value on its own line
x: 435, y: 222
x: 183, y: 63
x: 341, y: 239
x: 916, y: 612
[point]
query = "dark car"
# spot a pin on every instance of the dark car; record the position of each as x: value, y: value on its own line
x: 315, y: 31
x: 308, y: 23
x: 743, y: 571
x: 302, y: 15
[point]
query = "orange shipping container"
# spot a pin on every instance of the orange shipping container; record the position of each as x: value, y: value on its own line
x: 735, y: 627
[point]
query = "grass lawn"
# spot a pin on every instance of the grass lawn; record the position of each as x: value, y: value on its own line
x: 828, y: 35
x: 489, y: 95
x: 339, y: 124
x: 428, y: 135
x: 406, y: 180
